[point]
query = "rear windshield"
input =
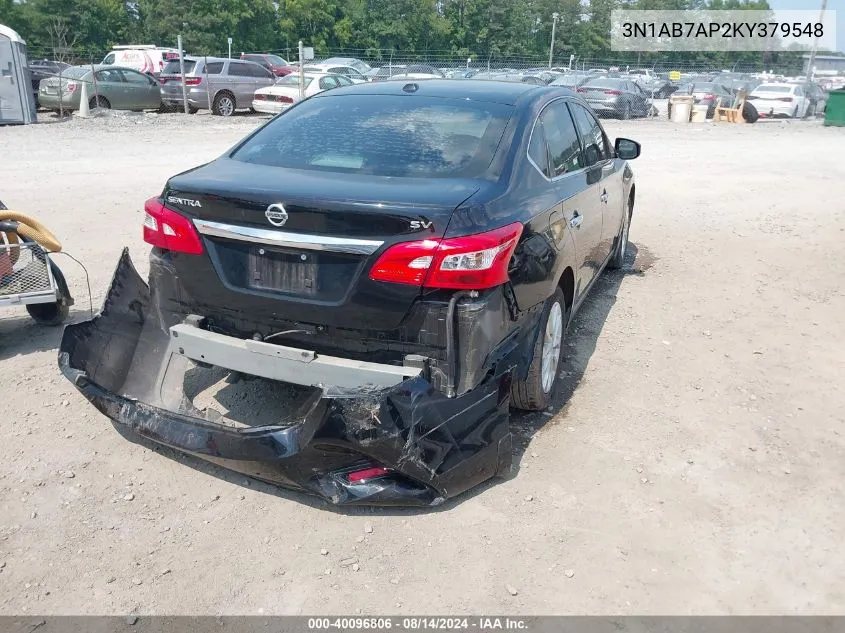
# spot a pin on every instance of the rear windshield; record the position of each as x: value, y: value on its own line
x: 774, y: 88
x: 76, y: 72
x: 385, y: 135
x: 293, y: 80
x: 172, y: 67
x: 603, y: 82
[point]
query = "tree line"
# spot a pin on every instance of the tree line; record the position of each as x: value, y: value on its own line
x: 434, y: 29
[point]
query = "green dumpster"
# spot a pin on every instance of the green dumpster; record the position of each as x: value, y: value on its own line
x: 834, y: 111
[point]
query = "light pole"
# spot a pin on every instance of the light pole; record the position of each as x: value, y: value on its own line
x: 555, y: 16
x: 812, y: 60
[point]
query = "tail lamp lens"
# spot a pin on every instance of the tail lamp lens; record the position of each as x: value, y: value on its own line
x: 169, y: 230
x: 473, y: 262
x: 193, y: 81
x: 360, y: 476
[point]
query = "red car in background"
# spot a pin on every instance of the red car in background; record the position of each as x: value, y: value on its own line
x: 273, y: 63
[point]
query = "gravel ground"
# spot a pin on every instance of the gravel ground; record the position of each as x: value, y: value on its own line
x: 693, y: 464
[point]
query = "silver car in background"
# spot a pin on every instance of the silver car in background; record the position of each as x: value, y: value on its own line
x: 214, y: 83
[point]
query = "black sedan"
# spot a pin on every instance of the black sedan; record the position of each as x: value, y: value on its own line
x: 616, y: 96
x: 389, y: 268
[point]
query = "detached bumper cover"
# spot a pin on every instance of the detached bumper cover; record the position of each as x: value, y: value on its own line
x: 129, y: 365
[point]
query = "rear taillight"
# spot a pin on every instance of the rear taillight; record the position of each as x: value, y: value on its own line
x: 473, y: 262
x: 613, y: 92
x: 261, y: 97
x: 162, y: 80
x: 72, y: 86
x: 708, y: 96
x: 360, y: 476
x: 169, y: 230
x: 284, y: 99
x: 787, y: 99
x: 193, y: 81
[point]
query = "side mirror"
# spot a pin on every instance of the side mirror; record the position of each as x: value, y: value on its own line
x: 626, y: 149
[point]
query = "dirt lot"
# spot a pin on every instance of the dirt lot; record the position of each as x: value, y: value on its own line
x: 695, y: 467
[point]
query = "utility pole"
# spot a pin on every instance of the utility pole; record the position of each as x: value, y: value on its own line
x: 555, y: 16
x: 229, y: 39
x: 301, y: 71
x: 182, y: 72
x: 812, y: 61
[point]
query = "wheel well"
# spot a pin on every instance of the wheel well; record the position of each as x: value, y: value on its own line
x: 222, y: 92
x: 567, y: 287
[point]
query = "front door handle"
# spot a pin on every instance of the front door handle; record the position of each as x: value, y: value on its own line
x: 603, y: 196
x: 576, y: 220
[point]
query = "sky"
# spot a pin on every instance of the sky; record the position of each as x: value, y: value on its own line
x: 816, y: 5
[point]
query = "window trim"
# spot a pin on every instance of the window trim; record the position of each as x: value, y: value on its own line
x: 601, y: 163
x: 566, y: 101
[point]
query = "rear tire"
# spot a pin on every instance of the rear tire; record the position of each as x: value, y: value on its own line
x: 535, y: 392
x: 224, y: 104
x: 99, y: 102
x: 626, y: 112
x: 620, y: 246
x: 50, y: 314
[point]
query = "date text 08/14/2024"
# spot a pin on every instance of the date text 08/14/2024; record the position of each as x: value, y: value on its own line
x: 480, y: 623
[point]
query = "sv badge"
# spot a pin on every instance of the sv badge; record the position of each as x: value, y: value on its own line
x: 421, y: 224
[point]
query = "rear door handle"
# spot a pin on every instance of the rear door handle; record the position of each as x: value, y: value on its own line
x: 575, y: 221
x: 603, y: 197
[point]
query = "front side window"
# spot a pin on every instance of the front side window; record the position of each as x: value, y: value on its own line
x: 562, y: 139
x: 592, y: 136
x: 388, y: 136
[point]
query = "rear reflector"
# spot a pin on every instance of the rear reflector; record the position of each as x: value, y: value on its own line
x: 473, y: 262
x: 169, y: 230
x: 359, y: 476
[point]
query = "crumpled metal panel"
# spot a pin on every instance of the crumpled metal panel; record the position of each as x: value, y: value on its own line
x: 437, y: 447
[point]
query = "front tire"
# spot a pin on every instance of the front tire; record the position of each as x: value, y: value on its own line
x: 535, y: 392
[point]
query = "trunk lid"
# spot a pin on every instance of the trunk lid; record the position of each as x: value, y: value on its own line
x: 298, y: 244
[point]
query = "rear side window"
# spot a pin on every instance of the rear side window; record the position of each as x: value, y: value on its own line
x: 237, y: 69
x: 256, y: 70
x: 214, y: 68
x: 388, y: 136
x: 172, y: 67
x: 564, y: 147
x: 537, y: 150
x: 109, y: 75
x: 592, y: 137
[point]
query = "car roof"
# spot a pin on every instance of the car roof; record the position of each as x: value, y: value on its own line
x: 503, y: 92
x: 763, y: 86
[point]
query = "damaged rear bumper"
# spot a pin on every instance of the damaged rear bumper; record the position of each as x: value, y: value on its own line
x: 355, y: 432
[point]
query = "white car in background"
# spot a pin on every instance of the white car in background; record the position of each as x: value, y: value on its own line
x: 334, y: 69
x: 145, y: 58
x: 285, y: 92
x: 780, y: 100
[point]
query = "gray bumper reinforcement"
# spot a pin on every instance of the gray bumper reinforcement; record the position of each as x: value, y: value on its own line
x: 287, y: 364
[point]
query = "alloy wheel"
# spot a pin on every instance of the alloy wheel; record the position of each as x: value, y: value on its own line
x: 552, y: 341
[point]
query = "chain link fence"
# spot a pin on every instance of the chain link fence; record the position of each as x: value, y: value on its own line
x: 740, y: 63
